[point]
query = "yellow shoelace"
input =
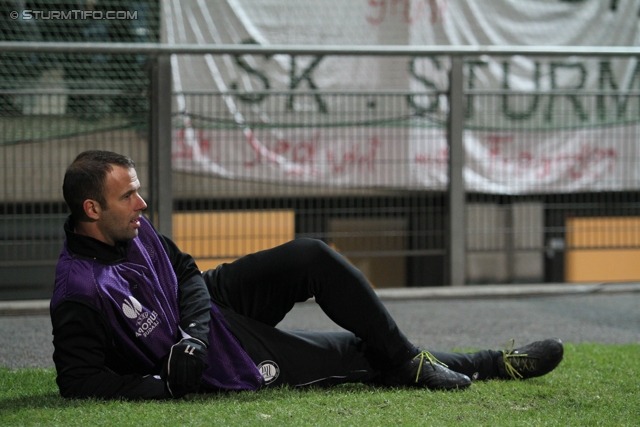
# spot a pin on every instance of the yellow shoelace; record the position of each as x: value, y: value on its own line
x: 430, y: 357
x: 508, y: 357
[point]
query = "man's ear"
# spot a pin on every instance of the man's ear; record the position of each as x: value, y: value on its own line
x: 92, y: 209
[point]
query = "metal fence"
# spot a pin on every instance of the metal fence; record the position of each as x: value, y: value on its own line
x: 412, y: 235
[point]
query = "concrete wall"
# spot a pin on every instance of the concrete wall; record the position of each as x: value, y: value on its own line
x: 505, y: 243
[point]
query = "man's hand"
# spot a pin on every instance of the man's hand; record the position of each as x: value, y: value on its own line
x: 185, y: 365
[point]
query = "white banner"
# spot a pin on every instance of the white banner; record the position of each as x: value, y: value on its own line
x: 547, y: 141
x: 502, y: 162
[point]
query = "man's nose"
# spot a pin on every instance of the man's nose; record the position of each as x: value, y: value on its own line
x: 141, y: 203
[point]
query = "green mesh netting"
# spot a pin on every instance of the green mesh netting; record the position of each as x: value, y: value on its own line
x: 104, y: 89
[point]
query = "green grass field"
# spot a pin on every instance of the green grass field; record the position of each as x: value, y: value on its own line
x: 594, y: 385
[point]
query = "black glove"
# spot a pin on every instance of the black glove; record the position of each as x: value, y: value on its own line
x: 184, y: 367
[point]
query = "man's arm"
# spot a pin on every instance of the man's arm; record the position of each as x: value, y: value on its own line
x: 186, y: 361
x: 81, y: 347
x: 193, y: 296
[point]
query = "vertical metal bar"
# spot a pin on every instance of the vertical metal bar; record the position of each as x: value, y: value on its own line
x: 161, y: 197
x: 457, y: 225
x: 509, y: 241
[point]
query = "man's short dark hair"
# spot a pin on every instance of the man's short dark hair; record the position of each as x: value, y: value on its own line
x: 85, y: 178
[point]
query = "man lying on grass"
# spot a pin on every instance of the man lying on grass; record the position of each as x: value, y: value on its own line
x: 133, y: 316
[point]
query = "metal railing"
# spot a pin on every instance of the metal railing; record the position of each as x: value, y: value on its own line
x: 417, y: 229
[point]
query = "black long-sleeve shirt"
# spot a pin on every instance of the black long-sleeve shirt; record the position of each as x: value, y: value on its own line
x: 87, y: 362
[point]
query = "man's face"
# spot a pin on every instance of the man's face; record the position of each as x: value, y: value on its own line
x: 120, y: 219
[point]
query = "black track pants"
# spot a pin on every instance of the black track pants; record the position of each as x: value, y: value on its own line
x: 255, y: 292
